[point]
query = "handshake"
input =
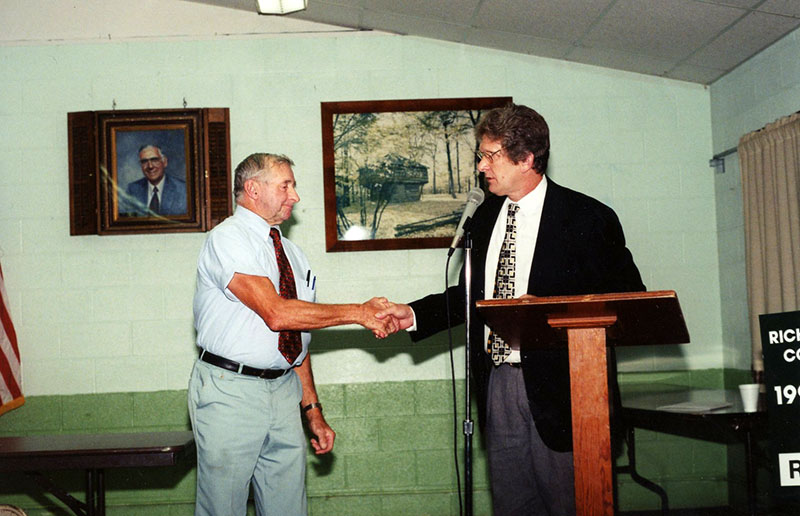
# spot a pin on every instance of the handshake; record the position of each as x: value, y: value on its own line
x: 384, y: 317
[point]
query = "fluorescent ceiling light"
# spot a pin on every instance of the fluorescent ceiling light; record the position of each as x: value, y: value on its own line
x: 281, y: 6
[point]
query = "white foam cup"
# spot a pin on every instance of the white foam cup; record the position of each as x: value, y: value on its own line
x: 749, y: 392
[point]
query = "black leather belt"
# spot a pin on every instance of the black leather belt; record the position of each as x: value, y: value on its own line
x: 236, y: 367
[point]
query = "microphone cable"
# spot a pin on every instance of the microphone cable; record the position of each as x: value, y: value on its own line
x: 453, y: 384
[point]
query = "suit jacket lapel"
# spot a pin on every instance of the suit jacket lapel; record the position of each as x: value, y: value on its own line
x: 481, y: 234
x: 169, y: 193
x: 550, y: 233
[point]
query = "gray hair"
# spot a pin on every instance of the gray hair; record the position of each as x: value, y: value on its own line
x: 152, y: 146
x: 256, y: 165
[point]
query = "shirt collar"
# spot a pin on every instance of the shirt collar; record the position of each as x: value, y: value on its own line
x: 253, y: 221
x: 160, y: 185
x: 532, y: 200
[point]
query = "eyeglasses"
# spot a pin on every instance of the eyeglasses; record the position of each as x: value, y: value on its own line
x: 488, y: 155
x: 151, y: 161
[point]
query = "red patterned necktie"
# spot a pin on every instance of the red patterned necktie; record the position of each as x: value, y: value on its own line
x: 289, y: 343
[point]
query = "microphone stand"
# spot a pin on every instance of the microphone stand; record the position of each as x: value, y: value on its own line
x: 468, y: 425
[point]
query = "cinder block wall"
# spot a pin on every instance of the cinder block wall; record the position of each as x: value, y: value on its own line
x: 113, y: 314
x: 393, y: 453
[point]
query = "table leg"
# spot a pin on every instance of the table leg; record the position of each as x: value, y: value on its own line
x: 90, y: 490
x: 101, y: 493
x: 78, y: 507
x: 95, y: 492
x: 647, y: 484
x: 751, y: 473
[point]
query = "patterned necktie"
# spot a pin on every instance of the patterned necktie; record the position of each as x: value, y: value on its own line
x: 289, y: 343
x: 154, y: 200
x: 504, y: 281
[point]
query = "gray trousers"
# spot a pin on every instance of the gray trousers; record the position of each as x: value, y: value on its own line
x: 248, y: 432
x: 527, y: 477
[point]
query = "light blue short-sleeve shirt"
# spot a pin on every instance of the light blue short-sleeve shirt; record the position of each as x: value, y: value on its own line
x: 225, y: 326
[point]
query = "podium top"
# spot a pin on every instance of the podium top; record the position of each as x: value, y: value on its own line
x: 631, y: 318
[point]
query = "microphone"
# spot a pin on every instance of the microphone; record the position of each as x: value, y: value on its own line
x: 474, y: 199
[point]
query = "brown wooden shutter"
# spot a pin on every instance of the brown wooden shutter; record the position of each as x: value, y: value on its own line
x: 217, y: 166
x: 83, y: 184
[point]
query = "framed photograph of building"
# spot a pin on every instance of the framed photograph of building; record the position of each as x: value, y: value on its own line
x: 397, y: 172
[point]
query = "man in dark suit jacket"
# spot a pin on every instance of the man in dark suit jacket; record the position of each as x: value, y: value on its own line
x: 565, y: 243
x: 169, y: 192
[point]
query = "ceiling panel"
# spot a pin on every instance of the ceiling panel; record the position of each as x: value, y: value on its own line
x: 333, y: 14
x: 403, y: 24
x: 785, y: 7
x: 666, y: 29
x: 692, y: 40
x: 692, y: 73
x: 621, y: 60
x: 453, y: 11
x: 746, y: 4
x: 353, y: 4
x: 745, y: 39
x: 564, y: 20
x: 515, y: 43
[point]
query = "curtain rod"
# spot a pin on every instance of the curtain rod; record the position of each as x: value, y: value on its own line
x: 725, y: 153
x: 717, y: 161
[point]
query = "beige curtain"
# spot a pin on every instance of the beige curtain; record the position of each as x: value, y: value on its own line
x: 770, y: 165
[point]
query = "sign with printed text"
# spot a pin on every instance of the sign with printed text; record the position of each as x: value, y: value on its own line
x: 780, y: 343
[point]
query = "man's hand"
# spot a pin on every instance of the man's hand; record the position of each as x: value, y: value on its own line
x: 381, y: 327
x: 324, y: 434
x: 402, y: 314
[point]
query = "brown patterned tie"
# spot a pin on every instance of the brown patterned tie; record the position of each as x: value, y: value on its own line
x: 504, y: 281
x: 289, y: 343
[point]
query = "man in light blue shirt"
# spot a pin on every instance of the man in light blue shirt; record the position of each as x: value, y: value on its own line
x: 254, y: 376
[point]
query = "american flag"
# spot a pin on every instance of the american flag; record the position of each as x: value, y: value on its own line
x: 10, y: 376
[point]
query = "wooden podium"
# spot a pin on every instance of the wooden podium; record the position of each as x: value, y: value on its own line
x: 586, y: 323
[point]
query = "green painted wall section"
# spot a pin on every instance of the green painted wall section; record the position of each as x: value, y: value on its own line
x: 393, y: 452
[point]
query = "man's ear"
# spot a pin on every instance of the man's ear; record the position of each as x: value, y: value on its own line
x: 529, y: 161
x: 250, y: 188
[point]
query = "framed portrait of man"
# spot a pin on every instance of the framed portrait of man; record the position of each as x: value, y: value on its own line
x: 145, y: 171
x: 151, y: 172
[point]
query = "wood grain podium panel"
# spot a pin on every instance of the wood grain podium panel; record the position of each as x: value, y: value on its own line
x: 643, y: 318
x: 587, y: 324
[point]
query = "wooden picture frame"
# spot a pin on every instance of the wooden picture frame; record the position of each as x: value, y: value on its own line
x: 117, y: 156
x: 396, y: 172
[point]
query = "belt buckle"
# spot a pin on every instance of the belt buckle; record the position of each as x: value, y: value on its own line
x: 271, y: 374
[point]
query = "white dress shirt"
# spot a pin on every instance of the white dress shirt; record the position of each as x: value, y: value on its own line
x: 528, y: 218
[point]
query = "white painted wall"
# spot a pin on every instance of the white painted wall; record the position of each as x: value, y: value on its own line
x: 107, y: 314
